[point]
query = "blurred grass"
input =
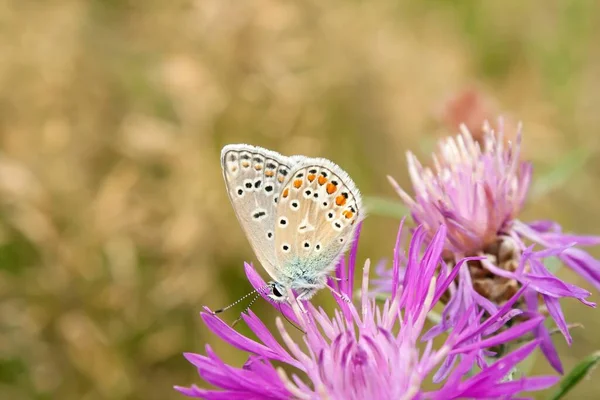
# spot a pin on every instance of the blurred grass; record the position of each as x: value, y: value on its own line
x: 581, y: 371
x: 114, y: 223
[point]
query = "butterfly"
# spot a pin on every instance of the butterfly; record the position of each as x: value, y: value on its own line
x: 299, y: 214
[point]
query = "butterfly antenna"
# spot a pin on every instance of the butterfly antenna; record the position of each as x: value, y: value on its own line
x: 220, y: 310
x: 291, y: 323
x: 247, y: 308
x: 258, y: 291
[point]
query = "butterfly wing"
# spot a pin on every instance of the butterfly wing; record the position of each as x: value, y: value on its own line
x: 254, y: 177
x: 317, y: 215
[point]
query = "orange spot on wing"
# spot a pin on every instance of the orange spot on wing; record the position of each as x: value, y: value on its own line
x: 245, y: 164
x: 298, y: 183
x: 348, y: 214
x: 258, y: 167
x: 285, y: 193
x: 269, y: 173
x: 310, y: 177
x: 281, y: 179
x: 331, y: 188
x: 322, y: 180
x: 234, y: 168
x: 340, y: 200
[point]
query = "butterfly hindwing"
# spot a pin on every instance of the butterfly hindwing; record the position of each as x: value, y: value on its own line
x: 254, y: 177
x: 317, y: 215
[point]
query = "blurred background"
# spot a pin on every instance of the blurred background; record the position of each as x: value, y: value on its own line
x: 115, y: 228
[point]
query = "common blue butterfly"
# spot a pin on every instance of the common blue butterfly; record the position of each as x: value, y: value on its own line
x: 300, y: 214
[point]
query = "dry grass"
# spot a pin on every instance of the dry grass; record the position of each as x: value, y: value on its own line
x: 114, y: 224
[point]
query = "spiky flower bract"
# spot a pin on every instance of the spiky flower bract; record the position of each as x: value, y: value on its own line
x: 369, y: 350
x: 478, y: 191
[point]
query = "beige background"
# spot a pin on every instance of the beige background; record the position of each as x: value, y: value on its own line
x: 114, y: 223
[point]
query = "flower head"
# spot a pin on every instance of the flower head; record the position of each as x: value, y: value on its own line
x: 368, y: 350
x: 477, y: 191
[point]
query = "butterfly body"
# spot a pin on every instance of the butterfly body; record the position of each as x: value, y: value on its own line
x: 306, y: 276
x: 299, y: 214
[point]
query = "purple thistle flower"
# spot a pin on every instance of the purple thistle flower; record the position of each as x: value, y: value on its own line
x: 357, y: 354
x: 478, y: 192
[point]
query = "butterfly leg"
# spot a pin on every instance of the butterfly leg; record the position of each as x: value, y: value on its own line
x: 342, y: 296
x: 299, y: 301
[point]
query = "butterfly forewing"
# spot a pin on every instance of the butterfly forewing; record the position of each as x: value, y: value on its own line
x: 254, y: 177
x: 317, y: 214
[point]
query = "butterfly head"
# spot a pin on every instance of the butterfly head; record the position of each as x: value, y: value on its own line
x: 279, y: 293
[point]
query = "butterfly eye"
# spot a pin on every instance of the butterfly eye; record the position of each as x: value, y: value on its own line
x: 276, y: 291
